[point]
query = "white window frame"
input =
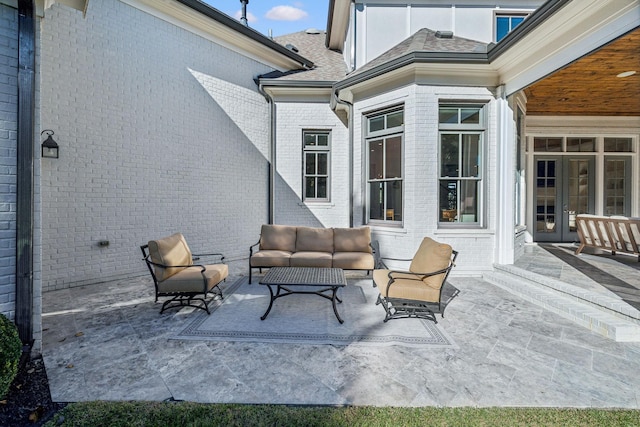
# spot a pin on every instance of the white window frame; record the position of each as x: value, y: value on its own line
x: 510, y: 15
x: 316, y: 150
x: 454, y: 217
x: 384, y: 134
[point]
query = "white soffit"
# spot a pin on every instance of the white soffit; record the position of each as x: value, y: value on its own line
x: 575, y: 30
x: 441, y: 74
x: 339, y: 24
x: 184, y: 17
x: 80, y: 5
x: 297, y: 91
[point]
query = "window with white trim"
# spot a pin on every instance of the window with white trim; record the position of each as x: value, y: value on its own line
x: 316, y: 165
x: 506, y: 22
x: 383, y: 139
x: 462, y: 132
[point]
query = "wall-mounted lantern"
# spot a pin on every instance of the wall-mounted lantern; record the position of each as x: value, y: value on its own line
x: 49, y: 146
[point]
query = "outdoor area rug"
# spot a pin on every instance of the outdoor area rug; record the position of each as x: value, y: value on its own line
x: 309, y: 319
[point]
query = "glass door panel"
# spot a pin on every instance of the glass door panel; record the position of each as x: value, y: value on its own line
x: 617, y: 186
x: 578, y: 186
x: 546, y: 200
x: 564, y: 189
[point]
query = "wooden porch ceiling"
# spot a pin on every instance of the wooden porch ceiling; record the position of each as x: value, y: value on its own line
x: 589, y: 86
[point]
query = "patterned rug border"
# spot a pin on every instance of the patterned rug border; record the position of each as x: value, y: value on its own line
x: 435, y: 336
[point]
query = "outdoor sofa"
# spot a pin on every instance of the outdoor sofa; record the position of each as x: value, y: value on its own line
x: 297, y: 246
x: 611, y: 233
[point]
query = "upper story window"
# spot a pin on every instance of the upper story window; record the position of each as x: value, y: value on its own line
x: 462, y: 134
x: 383, y: 140
x: 506, y: 22
x: 316, y: 159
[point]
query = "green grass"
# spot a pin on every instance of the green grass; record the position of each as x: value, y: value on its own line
x: 132, y: 414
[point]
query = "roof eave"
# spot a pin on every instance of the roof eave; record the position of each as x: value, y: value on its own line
x: 245, y: 31
x: 537, y: 17
x: 318, y: 84
x: 470, y: 58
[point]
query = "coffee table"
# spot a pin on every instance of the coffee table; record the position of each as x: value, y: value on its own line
x: 324, y: 281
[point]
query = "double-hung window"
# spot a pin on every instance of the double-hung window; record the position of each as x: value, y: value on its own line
x: 316, y: 153
x: 384, y: 133
x: 462, y: 133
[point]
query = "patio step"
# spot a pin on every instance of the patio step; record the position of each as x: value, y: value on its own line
x: 600, y: 313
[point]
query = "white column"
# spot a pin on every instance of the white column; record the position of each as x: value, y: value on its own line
x: 505, y: 203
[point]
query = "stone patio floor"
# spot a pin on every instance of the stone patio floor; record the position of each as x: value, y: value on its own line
x: 108, y: 342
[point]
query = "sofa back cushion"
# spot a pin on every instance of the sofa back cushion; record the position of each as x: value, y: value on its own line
x: 171, y: 250
x: 314, y: 239
x: 352, y: 239
x: 431, y: 256
x: 278, y: 237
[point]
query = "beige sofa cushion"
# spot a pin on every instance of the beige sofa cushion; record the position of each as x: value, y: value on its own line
x: 431, y: 256
x: 404, y: 287
x: 353, y: 260
x: 171, y: 250
x: 270, y: 258
x: 311, y: 259
x: 314, y: 239
x: 190, y: 279
x: 278, y: 237
x: 352, y: 239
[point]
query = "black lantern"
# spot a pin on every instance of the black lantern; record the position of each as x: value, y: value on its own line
x: 49, y: 146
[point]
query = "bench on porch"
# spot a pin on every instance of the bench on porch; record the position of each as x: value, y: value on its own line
x: 611, y: 233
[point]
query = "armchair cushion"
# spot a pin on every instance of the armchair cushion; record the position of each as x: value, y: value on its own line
x: 278, y: 237
x: 431, y: 256
x: 171, y: 250
x: 405, y: 286
x: 352, y: 239
x: 190, y: 279
x: 314, y: 240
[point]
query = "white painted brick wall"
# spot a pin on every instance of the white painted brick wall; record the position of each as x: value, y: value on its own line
x: 292, y: 119
x: 146, y: 148
x: 476, y: 246
x: 8, y: 156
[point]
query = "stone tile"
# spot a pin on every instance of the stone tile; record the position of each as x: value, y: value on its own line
x: 524, y: 361
x: 557, y: 349
x: 510, y: 353
x: 624, y: 369
x: 598, y: 387
x: 128, y: 378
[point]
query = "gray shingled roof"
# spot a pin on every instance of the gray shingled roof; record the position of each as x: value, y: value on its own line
x: 425, y: 40
x: 329, y: 64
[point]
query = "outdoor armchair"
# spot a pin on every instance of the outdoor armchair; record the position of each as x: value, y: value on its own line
x: 170, y: 263
x: 419, y: 291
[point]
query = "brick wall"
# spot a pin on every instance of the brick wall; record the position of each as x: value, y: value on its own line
x: 147, y: 146
x: 476, y: 246
x: 292, y: 119
x: 8, y: 156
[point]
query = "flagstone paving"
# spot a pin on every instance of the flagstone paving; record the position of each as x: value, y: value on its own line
x: 108, y: 342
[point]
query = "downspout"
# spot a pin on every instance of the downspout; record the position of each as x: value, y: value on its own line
x: 272, y: 152
x: 24, y: 184
x: 336, y: 100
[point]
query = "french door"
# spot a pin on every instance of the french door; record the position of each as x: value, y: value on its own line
x: 564, y: 188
